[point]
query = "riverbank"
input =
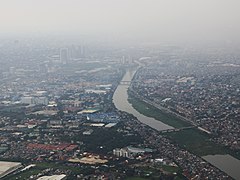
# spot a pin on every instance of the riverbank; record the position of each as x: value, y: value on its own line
x: 120, y: 100
x: 151, y: 111
x: 193, y: 140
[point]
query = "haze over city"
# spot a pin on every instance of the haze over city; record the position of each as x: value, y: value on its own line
x: 119, y: 89
x: 134, y: 20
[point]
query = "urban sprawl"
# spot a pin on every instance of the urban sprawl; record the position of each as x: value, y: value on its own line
x: 58, y: 119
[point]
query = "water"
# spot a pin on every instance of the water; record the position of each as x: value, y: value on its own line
x: 120, y: 100
x: 226, y: 163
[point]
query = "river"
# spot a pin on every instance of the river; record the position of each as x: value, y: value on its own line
x: 226, y: 163
x: 120, y: 100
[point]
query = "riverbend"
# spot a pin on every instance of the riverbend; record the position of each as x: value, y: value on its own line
x: 120, y: 100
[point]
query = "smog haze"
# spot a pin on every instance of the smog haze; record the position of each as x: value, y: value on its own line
x: 141, y: 20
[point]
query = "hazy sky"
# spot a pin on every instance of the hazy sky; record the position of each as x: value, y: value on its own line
x: 149, y: 20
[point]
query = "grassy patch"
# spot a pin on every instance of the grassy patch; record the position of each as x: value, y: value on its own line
x: 104, y: 140
x: 171, y: 169
x: 196, y: 142
x: 151, y: 111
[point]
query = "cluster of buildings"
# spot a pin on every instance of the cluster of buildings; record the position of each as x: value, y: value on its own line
x: 34, y: 100
x: 208, y: 99
x: 193, y: 167
x: 130, y: 152
x: 56, y: 108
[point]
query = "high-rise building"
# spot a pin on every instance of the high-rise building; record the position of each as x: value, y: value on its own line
x: 76, y: 52
x: 83, y: 51
x: 34, y: 100
x: 64, y: 56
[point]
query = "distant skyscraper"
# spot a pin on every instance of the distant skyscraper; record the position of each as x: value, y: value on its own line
x: 75, y: 52
x: 83, y: 51
x: 64, y: 56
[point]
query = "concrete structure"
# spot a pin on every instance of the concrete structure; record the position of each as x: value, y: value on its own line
x: 34, y: 100
x: 64, y: 57
x: 26, y: 100
x: 123, y: 152
x: 8, y: 167
x: 109, y: 125
x: 130, y: 152
x: 88, y: 132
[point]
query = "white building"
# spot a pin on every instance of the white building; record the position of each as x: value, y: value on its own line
x: 130, y: 151
x: 123, y: 152
x: 34, y: 100
x: 64, y: 56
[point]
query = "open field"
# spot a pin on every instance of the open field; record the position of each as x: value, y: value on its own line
x: 196, y: 142
x: 199, y: 143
